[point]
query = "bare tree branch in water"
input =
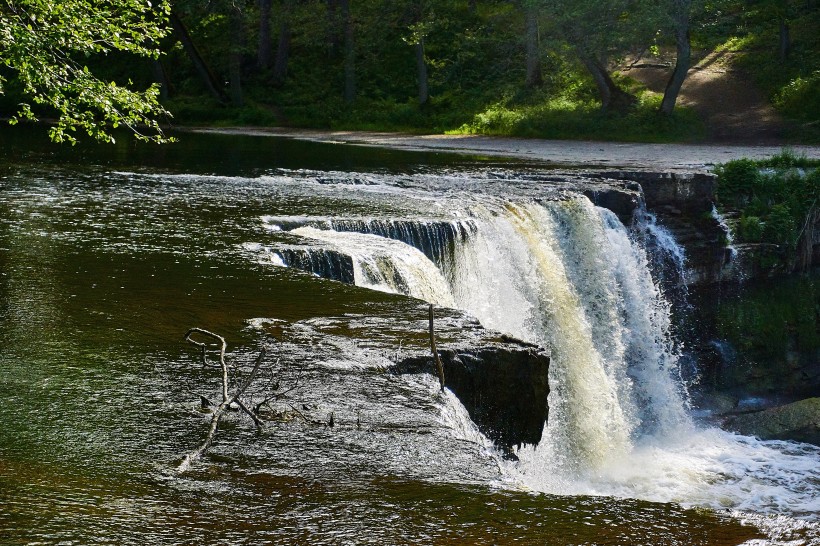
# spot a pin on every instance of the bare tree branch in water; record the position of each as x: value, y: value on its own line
x: 229, y: 401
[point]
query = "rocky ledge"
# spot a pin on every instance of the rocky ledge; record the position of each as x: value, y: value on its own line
x: 502, y: 382
x: 799, y: 421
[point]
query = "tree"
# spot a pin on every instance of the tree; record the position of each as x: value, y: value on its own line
x: 236, y: 23
x: 534, y: 77
x: 349, y: 52
x: 202, y: 68
x: 45, y: 46
x: 679, y: 13
x: 418, y: 30
x: 263, y: 49
x: 280, y: 66
x: 597, y: 32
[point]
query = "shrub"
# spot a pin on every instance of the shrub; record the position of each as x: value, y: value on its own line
x: 738, y: 181
x: 800, y: 98
x: 780, y: 226
x: 750, y: 229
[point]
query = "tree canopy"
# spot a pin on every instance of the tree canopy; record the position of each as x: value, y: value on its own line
x: 45, y: 48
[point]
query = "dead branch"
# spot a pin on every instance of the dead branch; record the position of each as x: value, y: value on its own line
x: 277, y: 395
x: 203, y: 347
x: 227, y: 400
x: 439, y: 365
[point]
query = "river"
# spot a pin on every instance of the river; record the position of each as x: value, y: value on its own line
x: 108, y: 256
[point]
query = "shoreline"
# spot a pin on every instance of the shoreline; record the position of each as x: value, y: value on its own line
x: 559, y: 153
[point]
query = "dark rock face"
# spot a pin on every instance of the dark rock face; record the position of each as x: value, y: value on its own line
x: 623, y: 199
x: 799, y: 421
x: 683, y: 204
x: 504, y: 388
x: 677, y: 193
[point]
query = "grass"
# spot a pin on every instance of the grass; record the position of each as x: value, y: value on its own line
x: 562, y: 118
x: 572, y: 115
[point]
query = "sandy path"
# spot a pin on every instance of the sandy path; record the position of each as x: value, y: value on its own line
x: 663, y: 157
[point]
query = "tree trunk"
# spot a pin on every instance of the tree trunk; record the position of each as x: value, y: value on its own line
x: 612, y: 96
x: 785, y: 40
x: 235, y: 56
x: 682, y: 63
x: 350, y: 53
x: 161, y: 77
x: 263, y: 51
x: 534, y: 77
x: 421, y: 69
x: 334, y: 28
x: 206, y: 75
x: 280, y: 66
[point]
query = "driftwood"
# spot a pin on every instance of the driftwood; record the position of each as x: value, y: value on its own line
x: 439, y: 365
x: 229, y: 401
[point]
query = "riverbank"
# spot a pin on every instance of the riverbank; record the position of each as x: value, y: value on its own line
x: 667, y: 157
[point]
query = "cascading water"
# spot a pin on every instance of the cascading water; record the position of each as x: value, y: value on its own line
x: 570, y: 275
x: 386, y: 265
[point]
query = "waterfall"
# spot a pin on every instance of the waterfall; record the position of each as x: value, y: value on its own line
x: 566, y: 274
x: 437, y: 239
x: 569, y: 275
x: 561, y: 273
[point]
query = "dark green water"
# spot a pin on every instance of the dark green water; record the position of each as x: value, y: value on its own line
x: 108, y: 255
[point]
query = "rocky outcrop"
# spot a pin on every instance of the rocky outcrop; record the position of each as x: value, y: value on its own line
x: 675, y: 192
x: 502, y: 382
x: 683, y: 203
x: 504, y: 387
x: 799, y: 421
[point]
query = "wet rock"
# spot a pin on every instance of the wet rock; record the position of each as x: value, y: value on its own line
x: 504, y: 387
x: 502, y: 382
x: 716, y: 403
x: 623, y: 197
x: 799, y: 421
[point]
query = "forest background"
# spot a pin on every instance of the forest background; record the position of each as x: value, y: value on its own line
x: 534, y: 68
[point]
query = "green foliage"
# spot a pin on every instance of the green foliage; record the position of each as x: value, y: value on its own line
x: 47, y: 47
x: 780, y: 226
x: 750, y: 229
x: 738, y: 181
x: 774, y: 196
x: 475, y: 58
x: 769, y: 320
x: 787, y: 159
x: 800, y: 97
x: 580, y: 117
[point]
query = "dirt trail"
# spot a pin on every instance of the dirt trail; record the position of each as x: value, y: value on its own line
x: 724, y: 96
